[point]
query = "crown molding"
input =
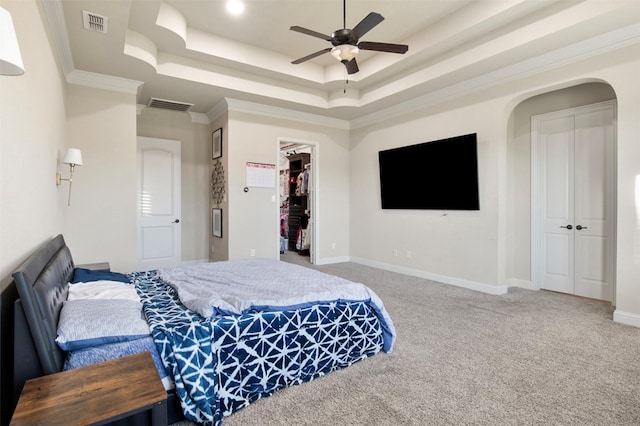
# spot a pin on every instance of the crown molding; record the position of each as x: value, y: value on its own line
x: 54, y: 14
x: 217, y: 111
x: 196, y: 117
x: 601, y: 44
x: 598, y: 45
x: 105, y: 82
x: 237, y: 105
x: 58, y: 28
x: 199, y: 118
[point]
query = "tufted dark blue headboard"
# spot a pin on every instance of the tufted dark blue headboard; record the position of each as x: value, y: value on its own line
x: 42, y: 286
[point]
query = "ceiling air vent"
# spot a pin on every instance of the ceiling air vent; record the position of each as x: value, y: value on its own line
x: 94, y: 22
x: 166, y: 104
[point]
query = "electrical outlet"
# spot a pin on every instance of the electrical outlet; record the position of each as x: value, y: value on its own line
x: 253, y: 252
x: 395, y: 252
x: 333, y: 246
x: 408, y: 254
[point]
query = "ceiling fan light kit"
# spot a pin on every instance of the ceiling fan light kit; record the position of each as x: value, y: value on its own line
x: 346, y: 44
x: 344, y: 52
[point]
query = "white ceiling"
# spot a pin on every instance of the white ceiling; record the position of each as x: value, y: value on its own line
x: 193, y: 51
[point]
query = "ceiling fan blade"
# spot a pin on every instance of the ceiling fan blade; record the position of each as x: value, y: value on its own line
x: 383, y: 47
x: 370, y: 21
x: 311, y: 56
x: 352, y: 66
x: 310, y: 32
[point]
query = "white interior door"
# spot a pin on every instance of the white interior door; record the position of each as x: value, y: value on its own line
x: 159, y: 198
x: 573, y: 201
x: 556, y: 166
x: 594, y: 190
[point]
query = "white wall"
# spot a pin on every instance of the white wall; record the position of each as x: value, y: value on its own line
x: 253, y: 216
x: 32, y: 143
x: 626, y: 83
x: 474, y: 248
x: 195, y: 144
x: 461, y: 245
x: 41, y: 117
x: 102, y: 215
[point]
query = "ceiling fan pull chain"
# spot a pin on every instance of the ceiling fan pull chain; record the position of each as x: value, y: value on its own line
x: 346, y: 81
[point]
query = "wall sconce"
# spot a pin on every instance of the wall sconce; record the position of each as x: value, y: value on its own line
x: 73, y: 158
x: 10, y: 58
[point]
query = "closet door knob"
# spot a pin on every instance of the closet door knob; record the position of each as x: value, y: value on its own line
x: 568, y: 227
x: 176, y: 221
x: 579, y: 227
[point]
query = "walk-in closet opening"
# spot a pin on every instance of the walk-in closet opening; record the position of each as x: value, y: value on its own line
x: 296, y: 192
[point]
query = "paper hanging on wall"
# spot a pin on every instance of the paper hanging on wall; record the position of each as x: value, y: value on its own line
x: 261, y: 175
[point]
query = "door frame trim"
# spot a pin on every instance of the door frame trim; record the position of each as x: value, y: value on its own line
x: 536, y: 202
x: 314, y: 159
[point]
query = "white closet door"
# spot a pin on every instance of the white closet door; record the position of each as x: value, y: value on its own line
x: 557, y: 208
x: 594, y: 188
x: 573, y: 201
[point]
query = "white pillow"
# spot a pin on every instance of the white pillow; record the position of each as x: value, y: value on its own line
x: 102, y: 290
x: 94, y: 322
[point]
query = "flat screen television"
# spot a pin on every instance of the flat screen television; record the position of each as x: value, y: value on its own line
x: 437, y: 175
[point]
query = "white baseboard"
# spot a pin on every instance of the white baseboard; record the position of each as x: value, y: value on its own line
x: 515, y: 282
x: 458, y: 282
x: 626, y: 318
x: 331, y: 260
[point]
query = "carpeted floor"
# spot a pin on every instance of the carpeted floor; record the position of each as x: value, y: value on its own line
x: 468, y: 358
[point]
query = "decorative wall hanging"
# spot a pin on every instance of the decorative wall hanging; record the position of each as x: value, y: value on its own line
x: 216, y: 144
x: 217, y: 183
x: 216, y: 222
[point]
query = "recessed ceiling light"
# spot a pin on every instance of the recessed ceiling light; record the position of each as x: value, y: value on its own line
x: 235, y: 7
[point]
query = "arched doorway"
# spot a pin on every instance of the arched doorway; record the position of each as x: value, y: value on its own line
x: 520, y: 213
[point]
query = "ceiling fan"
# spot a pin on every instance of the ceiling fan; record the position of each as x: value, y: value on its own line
x: 345, y: 41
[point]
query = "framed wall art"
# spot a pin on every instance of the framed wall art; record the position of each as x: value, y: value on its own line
x: 216, y: 222
x: 216, y: 144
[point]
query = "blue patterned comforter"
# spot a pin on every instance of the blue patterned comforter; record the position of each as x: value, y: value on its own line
x: 223, y: 363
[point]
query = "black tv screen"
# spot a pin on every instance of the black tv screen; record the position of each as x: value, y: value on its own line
x: 438, y: 175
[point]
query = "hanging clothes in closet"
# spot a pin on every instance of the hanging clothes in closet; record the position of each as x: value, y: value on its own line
x: 305, y: 179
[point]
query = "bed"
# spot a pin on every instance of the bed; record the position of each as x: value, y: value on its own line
x: 220, y: 350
